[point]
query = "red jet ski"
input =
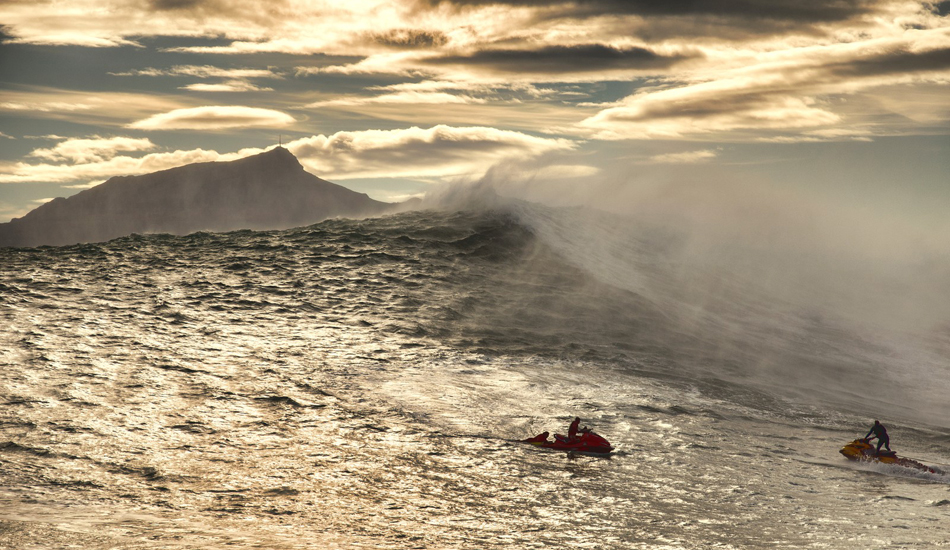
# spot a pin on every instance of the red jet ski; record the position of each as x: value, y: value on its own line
x: 587, y: 442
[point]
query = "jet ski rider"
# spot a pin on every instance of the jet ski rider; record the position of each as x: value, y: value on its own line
x: 881, y: 434
x: 572, y: 431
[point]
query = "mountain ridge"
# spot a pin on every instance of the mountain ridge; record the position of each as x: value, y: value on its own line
x: 270, y: 190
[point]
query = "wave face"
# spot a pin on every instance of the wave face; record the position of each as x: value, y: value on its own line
x: 359, y: 383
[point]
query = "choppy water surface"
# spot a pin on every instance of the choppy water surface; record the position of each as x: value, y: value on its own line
x: 361, y: 384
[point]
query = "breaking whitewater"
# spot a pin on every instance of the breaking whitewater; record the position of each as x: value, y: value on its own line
x: 363, y: 384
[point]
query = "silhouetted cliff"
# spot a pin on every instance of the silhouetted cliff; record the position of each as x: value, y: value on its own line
x: 267, y: 191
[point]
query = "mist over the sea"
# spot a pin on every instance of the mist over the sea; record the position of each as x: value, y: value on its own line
x: 831, y: 302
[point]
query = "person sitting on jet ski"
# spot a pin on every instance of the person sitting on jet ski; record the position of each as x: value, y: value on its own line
x: 572, y: 431
x: 881, y: 434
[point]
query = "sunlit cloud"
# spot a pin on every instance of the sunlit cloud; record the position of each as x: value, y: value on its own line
x: 824, y: 135
x: 404, y: 98
x: 398, y: 64
x: 498, y: 89
x: 76, y: 38
x: 92, y: 149
x: 688, y: 157
x: 112, y: 23
x: 202, y: 71
x: 776, y: 91
x: 44, y: 107
x: 229, y: 86
x: 427, y: 86
x: 440, y: 151
x: 215, y: 118
x: 87, y: 174
x: 48, y: 137
x: 718, y: 107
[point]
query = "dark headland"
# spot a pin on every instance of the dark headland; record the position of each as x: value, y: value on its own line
x: 266, y: 191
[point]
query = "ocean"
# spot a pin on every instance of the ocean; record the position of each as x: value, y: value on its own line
x: 365, y: 384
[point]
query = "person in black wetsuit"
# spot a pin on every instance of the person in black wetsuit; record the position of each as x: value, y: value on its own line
x: 881, y: 434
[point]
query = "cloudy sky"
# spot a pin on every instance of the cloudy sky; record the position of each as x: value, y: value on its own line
x: 848, y: 98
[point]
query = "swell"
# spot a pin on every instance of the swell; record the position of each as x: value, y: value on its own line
x: 520, y: 280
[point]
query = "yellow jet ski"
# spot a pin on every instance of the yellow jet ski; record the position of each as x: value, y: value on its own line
x: 862, y: 450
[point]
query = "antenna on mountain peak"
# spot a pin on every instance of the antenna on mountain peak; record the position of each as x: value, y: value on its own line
x: 280, y: 140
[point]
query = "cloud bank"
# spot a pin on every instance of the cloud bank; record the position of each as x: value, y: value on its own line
x: 440, y: 152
